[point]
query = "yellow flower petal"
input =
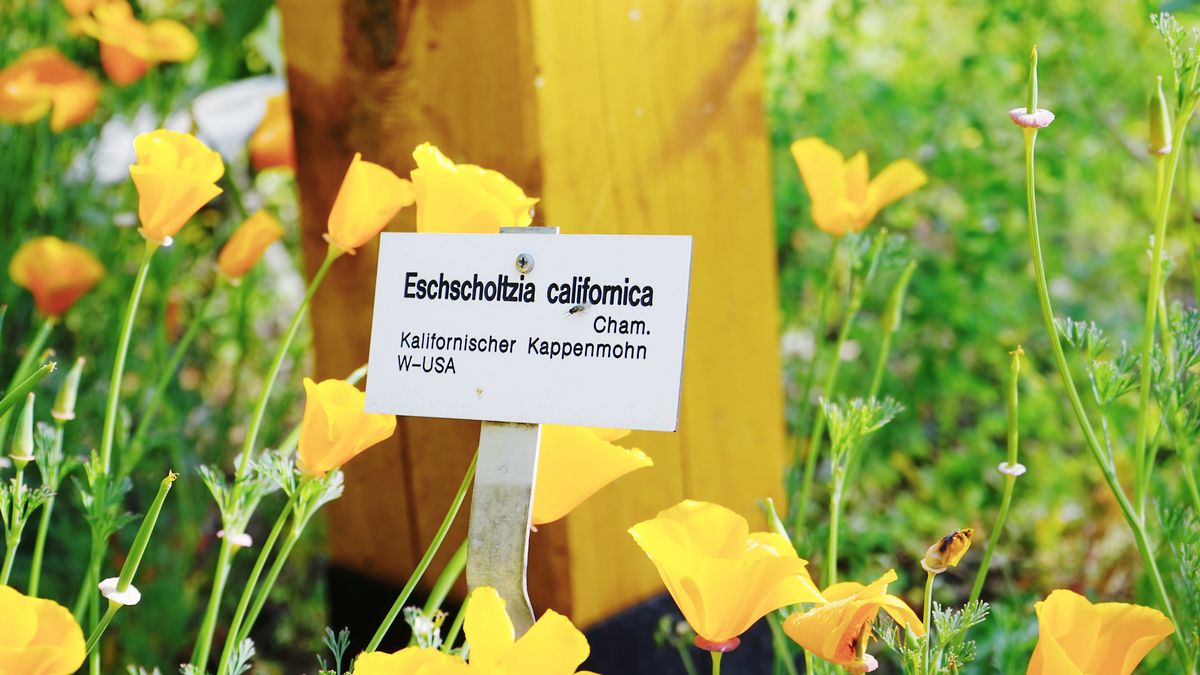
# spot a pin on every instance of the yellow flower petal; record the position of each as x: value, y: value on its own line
x: 56, y: 272
x: 273, y: 143
x: 488, y: 628
x: 553, y: 646
x: 573, y: 465
x: 42, y: 80
x: 370, y: 196
x: 175, y: 176
x: 1075, y: 636
x: 410, y: 661
x: 463, y: 197
x: 823, y: 170
x: 1127, y: 634
x: 247, y: 244
x: 896, y: 180
x: 171, y: 41
x: 335, y: 428
x: 38, y: 637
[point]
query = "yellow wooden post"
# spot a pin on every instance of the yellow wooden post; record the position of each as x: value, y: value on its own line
x: 624, y: 117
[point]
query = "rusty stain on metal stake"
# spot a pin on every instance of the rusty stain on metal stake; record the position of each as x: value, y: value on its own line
x: 502, y: 505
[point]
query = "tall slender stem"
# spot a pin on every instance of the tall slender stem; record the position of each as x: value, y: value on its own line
x: 98, y: 631
x: 438, y: 537
x: 260, y: 407
x: 1135, y: 523
x: 835, y: 512
x: 39, y: 548
x: 264, y: 592
x: 32, y: 353
x: 114, y: 383
x: 716, y: 659
x: 819, y: 331
x: 447, y: 579
x: 925, y: 613
x: 1010, y: 479
x: 209, y: 623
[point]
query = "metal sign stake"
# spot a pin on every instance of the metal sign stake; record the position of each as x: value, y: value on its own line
x: 502, y: 502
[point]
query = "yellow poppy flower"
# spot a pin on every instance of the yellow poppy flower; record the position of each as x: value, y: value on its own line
x: 80, y: 7
x: 43, y: 81
x: 574, y: 464
x: 335, y: 428
x: 56, y: 272
x: 175, y: 175
x: 947, y: 551
x: 844, y: 199
x: 464, y: 197
x: 128, y: 47
x: 722, y: 576
x: 247, y: 244
x: 273, y: 143
x: 409, y: 661
x: 1076, y: 637
x: 38, y: 637
x: 369, y: 197
x: 833, y: 631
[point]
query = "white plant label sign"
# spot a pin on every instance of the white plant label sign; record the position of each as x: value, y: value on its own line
x: 534, y: 328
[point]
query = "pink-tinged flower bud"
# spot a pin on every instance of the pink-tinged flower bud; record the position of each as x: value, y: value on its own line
x: 1160, y: 123
x: 1031, y: 116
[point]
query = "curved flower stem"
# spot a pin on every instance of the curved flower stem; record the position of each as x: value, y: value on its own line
x: 239, y: 615
x: 819, y: 330
x: 716, y: 659
x: 779, y: 641
x: 455, y: 627
x: 260, y: 407
x: 39, y: 548
x: 166, y: 374
x: 1010, y: 480
x: 438, y: 537
x: 835, y: 512
x: 925, y: 613
x: 32, y: 353
x: 209, y: 623
x: 447, y: 579
x: 264, y: 592
x: 98, y: 631
x: 114, y: 383
x: 1136, y: 524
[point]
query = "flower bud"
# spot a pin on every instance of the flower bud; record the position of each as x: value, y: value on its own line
x: 22, y: 447
x: 1160, y: 123
x: 1031, y: 116
x: 947, y: 551
x: 64, y: 404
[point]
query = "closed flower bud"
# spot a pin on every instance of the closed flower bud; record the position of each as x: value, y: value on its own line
x: 1160, y: 123
x: 336, y: 428
x: 464, y: 197
x: 947, y: 551
x: 22, y: 447
x: 369, y: 197
x: 247, y: 244
x: 64, y: 403
x: 175, y: 176
x: 273, y: 143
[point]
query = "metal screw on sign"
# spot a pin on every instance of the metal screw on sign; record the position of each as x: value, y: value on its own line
x: 502, y: 503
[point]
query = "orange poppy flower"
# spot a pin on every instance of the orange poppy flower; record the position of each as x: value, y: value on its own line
x: 56, y: 272
x: 273, y: 143
x: 247, y: 244
x: 129, y: 47
x: 43, y: 81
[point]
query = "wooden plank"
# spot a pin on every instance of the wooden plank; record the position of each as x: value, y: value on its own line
x: 651, y: 121
x: 639, y: 117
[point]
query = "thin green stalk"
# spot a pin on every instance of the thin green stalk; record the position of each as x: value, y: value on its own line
x: 716, y: 659
x: 1010, y: 480
x: 88, y: 590
x: 235, y: 627
x: 94, y: 614
x: 438, y: 537
x: 39, y: 548
x: 885, y: 352
x: 925, y: 613
x: 98, y: 632
x: 779, y: 640
x: 455, y: 627
x: 819, y: 331
x: 166, y: 374
x: 34, y: 350
x: 1189, y: 478
x: 447, y: 579
x: 209, y: 624
x: 260, y: 598
x: 831, y: 552
x: 114, y: 383
x: 1131, y: 517
x: 260, y: 407
x: 13, y: 540
x: 10, y: 554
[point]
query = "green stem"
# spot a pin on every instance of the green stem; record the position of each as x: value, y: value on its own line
x: 831, y: 552
x: 98, y: 632
x: 885, y: 352
x: 13, y: 539
x: 248, y: 592
x: 39, y: 547
x: 455, y: 627
x: 34, y: 350
x: 925, y: 613
x: 1189, y: 477
x: 1010, y: 481
x: 438, y: 537
x: 716, y: 659
x: 260, y: 598
x: 779, y: 640
x: 88, y: 590
x: 137, y: 445
x: 114, y: 384
x: 10, y: 554
x: 94, y: 612
x: 1131, y: 518
x: 447, y: 579
x: 260, y: 407
x: 819, y: 329
x: 208, y: 625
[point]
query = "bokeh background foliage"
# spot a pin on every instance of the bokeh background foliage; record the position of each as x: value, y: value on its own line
x: 929, y: 80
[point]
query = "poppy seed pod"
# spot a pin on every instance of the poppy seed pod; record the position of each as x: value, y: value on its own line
x: 1160, y: 122
x: 22, y: 447
x: 64, y: 403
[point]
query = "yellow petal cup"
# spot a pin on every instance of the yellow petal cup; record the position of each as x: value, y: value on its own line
x: 553, y: 646
x: 335, y: 428
x: 844, y: 198
x: 1076, y: 637
x: 833, y: 630
x: 575, y: 463
x: 370, y: 196
x: 247, y: 244
x: 722, y: 576
x: 175, y: 176
x: 38, y: 637
x: 56, y: 272
x: 464, y: 197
